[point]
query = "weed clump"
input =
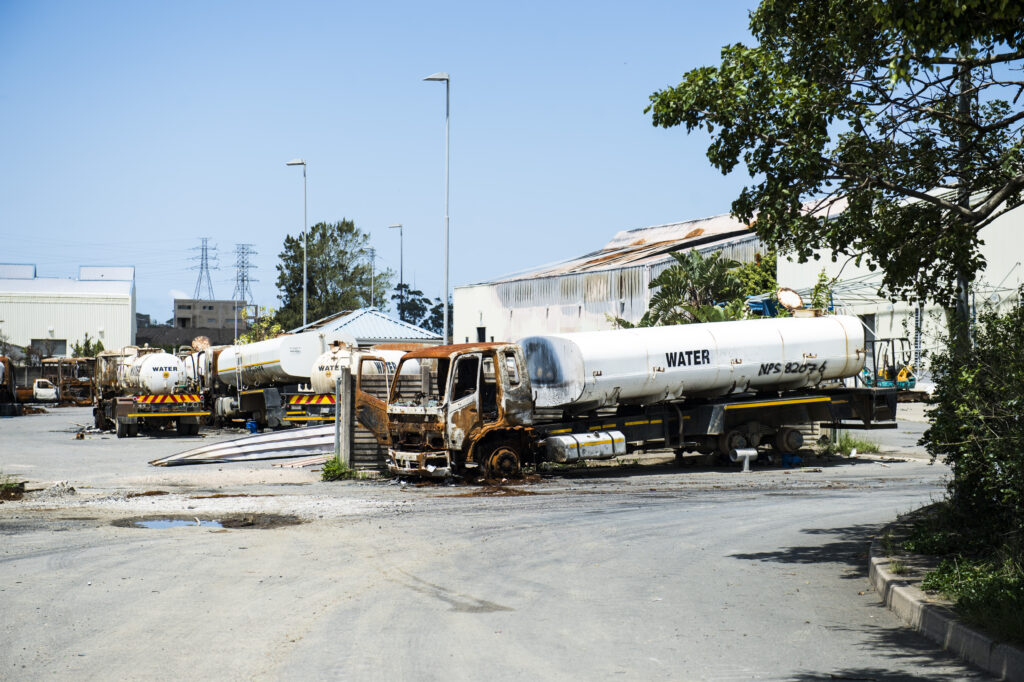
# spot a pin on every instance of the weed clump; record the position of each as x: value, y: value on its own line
x: 336, y: 470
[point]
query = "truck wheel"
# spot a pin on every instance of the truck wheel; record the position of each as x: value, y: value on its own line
x: 133, y: 430
x: 502, y: 462
x: 122, y: 428
x: 788, y: 441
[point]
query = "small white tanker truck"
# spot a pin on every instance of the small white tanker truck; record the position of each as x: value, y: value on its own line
x: 144, y: 387
x: 250, y: 381
x: 710, y: 388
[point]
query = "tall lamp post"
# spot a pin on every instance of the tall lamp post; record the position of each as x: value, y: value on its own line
x: 301, y: 162
x: 373, y: 274
x: 401, y: 261
x: 447, y: 109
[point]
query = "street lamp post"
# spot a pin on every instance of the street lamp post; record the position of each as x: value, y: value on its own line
x: 401, y: 271
x: 373, y: 274
x: 447, y: 109
x: 301, y: 162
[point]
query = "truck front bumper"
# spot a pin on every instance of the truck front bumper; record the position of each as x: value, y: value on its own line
x: 429, y: 464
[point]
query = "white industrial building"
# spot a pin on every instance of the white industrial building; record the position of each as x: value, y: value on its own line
x: 52, y: 313
x: 588, y: 292
x: 855, y: 290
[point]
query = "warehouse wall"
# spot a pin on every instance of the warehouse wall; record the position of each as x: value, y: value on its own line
x: 581, y: 301
x: 856, y: 287
x: 67, y: 317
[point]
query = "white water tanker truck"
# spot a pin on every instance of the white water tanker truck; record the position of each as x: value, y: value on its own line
x: 144, y: 387
x: 249, y: 381
x: 711, y: 388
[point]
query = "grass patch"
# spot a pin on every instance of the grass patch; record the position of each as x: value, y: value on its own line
x: 10, y: 487
x: 985, y: 580
x: 988, y: 593
x: 897, y: 567
x: 846, y: 444
x: 336, y: 470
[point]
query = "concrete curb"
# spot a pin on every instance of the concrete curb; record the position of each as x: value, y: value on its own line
x: 939, y: 623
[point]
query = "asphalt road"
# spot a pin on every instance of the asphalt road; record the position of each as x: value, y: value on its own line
x: 622, y: 573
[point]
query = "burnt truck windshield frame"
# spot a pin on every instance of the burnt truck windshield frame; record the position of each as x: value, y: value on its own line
x: 427, y: 387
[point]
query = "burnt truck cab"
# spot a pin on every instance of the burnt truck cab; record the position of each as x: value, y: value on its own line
x: 468, y: 407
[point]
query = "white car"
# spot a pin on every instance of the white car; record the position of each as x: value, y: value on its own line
x: 43, y: 391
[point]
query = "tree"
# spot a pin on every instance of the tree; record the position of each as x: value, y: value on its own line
x: 265, y: 326
x: 976, y: 429
x: 760, y: 275
x: 906, y: 116
x: 411, y: 304
x: 338, y: 274
x: 692, y: 289
x: 434, y: 321
x: 88, y: 348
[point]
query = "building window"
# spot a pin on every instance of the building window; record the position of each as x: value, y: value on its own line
x: 48, y: 348
x: 184, y: 306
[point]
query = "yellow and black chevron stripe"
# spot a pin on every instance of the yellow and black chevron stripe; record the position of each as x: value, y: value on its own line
x: 326, y: 399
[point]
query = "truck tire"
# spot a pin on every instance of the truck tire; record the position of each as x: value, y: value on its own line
x: 133, y: 430
x: 502, y: 461
x: 122, y: 428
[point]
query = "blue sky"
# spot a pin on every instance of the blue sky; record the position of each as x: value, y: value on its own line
x: 132, y: 129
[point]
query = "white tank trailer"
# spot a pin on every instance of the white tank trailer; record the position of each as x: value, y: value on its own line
x: 150, y: 374
x: 327, y: 366
x: 286, y: 359
x: 255, y: 374
x: 588, y: 370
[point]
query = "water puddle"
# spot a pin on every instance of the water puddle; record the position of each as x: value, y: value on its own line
x: 176, y: 523
x: 224, y: 521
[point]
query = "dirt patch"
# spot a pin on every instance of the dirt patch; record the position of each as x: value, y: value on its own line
x: 12, y: 491
x: 218, y: 496
x: 494, y: 491
x: 234, y: 521
x: 148, y: 493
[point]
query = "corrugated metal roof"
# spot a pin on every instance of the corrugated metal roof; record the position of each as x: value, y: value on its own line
x: 371, y: 325
x: 643, y: 246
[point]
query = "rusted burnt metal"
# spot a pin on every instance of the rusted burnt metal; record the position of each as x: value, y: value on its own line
x: 455, y: 349
x: 73, y: 378
x: 482, y: 427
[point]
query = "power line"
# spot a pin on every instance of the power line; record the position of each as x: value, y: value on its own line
x: 204, y: 269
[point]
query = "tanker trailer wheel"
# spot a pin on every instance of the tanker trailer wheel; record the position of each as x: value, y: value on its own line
x: 502, y: 462
x: 122, y: 428
x: 787, y: 441
x: 729, y: 441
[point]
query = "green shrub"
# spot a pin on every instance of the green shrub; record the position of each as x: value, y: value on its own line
x: 987, y: 593
x: 845, y: 444
x: 977, y: 413
x: 336, y: 470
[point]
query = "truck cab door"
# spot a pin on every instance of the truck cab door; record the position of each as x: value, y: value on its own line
x: 372, y: 384
x: 463, y: 415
